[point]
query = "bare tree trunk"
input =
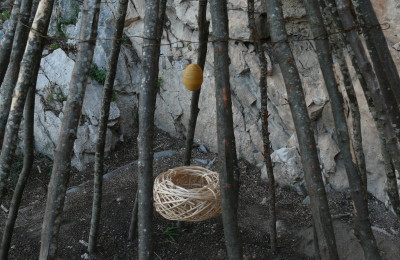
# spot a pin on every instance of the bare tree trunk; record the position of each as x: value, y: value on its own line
x: 161, y: 19
x: 229, y: 180
x: 27, y: 14
x: 160, y: 28
x: 32, y: 53
x: 388, y: 143
x: 201, y: 60
x: 338, y: 44
x: 388, y: 81
x: 371, y: 89
x: 361, y: 220
x: 7, y: 42
x: 102, y: 132
x: 384, y: 130
x: 264, y: 119
x: 148, y: 91
x: 72, y: 111
x: 27, y: 166
x: 377, y: 45
x: 308, y: 150
x: 317, y: 255
x: 355, y: 113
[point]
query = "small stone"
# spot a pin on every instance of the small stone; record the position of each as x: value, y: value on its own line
x: 280, y: 226
x: 306, y: 201
x: 202, y: 161
x: 395, y: 232
x: 328, y: 187
x: 45, y: 52
x: 203, y: 148
x: 85, y: 256
x: 221, y: 254
x: 84, y: 243
x: 263, y: 201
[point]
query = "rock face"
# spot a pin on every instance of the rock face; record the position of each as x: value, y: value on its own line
x: 52, y: 92
x: 173, y: 100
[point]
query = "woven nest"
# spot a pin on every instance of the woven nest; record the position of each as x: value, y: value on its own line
x: 187, y: 193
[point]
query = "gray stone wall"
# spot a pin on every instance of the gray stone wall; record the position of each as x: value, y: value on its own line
x: 173, y: 100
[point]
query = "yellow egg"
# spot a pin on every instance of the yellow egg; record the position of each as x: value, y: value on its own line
x: 193, y: 77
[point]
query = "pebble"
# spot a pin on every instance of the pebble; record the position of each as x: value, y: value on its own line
x: 203, y: 148
x: 306, y: 201
x: 280, y: 226
x: 263, y: 201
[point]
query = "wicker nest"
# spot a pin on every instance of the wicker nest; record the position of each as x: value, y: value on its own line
x: 187, y: 193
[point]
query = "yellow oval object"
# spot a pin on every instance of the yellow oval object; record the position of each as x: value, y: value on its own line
x: 193, y: 77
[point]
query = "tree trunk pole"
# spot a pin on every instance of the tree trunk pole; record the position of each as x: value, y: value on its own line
x: 308, y: 150
x: 201, y: 60
x: 72, y: 111
x: 382, y: 62
x: 228, y: 173
x: 27, y: 166
x: 264, y: 119
x: 373, y: 94
x: 160, y: 29
x: 7, y: 41
x: 32, y: 53
x: 27, y: 14
x: 377, y: 45
x: 361, y: 219
x: 148, y: 90
x: 102, y: 132
x: 338, y: 44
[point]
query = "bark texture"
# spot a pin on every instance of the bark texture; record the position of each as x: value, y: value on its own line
x: 361, y: 219
x: 147, y: 101
x: 32, y: 53
x: 389, y: 86
x: 27, y: 167
x: 373, y: 94
x: 228, y: 173
x: 201, y: 60
x: 377, y: 45
x: 27, y: 14
x: 7, y: 42
x: 264, y: 119
x: 338, y: 43
x: 72, y: 111
x: 105, y: 111
x: 308, y: 151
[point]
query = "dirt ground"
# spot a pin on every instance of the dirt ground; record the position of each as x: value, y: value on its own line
x: 202, y: 240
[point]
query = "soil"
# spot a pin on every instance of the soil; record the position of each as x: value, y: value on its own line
x: 203, y: 240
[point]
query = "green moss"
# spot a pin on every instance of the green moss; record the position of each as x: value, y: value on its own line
x: 54, y: 46
x: 56, y: 95
x: 59, y: 31
x: 170, y: 233
x: 63, y: 22
x: 98, y: 74
x: 125, y: 39
x: 160, y: 82
x: 5, y: 15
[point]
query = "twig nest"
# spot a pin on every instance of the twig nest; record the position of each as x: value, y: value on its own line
x: 188, y: 193
x: 193, y: 77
